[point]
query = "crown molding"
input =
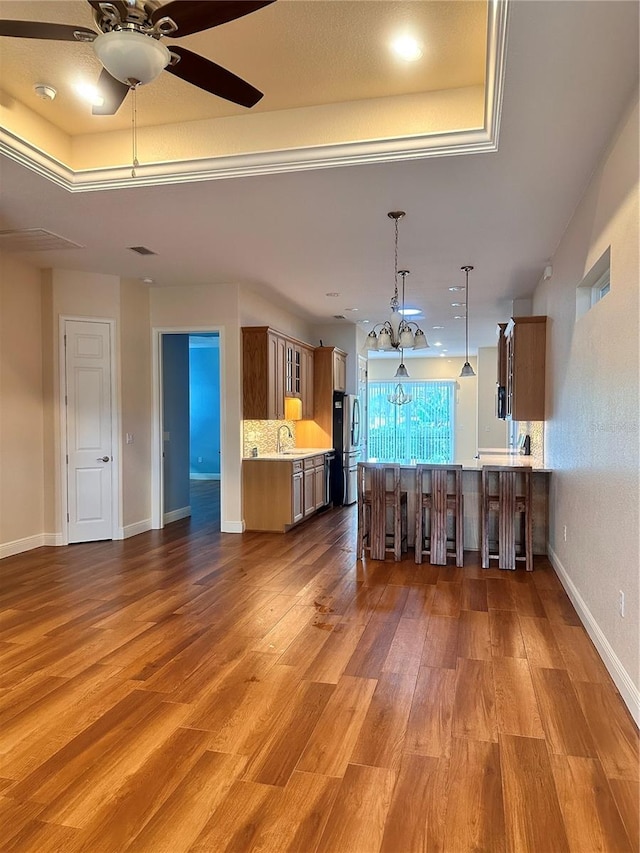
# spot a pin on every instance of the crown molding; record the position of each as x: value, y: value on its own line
x: 473, y: 141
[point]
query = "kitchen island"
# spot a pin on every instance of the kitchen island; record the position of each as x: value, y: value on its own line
x: 472, y: 495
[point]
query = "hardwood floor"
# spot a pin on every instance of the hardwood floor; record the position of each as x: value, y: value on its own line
x: 186, y: 690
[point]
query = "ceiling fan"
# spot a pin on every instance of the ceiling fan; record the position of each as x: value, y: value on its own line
x: 130, y: 49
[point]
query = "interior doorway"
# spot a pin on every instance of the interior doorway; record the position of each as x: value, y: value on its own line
x: 188, y: 436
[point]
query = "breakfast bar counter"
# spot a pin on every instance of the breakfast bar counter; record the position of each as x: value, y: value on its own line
x: 472, y: 494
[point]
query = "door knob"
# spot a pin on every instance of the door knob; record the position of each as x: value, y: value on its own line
x: 103, y: 459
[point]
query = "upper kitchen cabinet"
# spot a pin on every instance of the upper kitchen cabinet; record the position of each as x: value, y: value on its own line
x: 339, y: 370
x: 276, y: 371
x: 263, y: 373
x: 524, y: 368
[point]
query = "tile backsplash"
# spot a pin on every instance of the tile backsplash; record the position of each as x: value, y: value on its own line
x: 535, y: 430
x: 264, y: 436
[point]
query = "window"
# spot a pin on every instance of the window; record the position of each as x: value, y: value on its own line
x: 595, y: 285
x: 419, y: 431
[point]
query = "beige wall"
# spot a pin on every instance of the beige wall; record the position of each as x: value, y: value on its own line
x: 135, y: 396
x: 256, y: 310
x: 442, y: 368
x: 21, y: 407
x: 591, y: 434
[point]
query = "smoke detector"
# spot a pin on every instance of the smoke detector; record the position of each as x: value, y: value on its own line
x: 47, y: 93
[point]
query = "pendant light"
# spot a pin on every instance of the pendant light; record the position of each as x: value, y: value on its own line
x: 396, y: 332
x: 467, y: 370
x: 400, y: 397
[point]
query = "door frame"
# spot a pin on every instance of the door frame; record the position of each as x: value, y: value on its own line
x: 116, y: 527
x: 157, y: 468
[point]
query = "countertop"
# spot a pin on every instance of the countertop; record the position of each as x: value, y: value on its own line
x: 292, y: 454
x: 511, y: 459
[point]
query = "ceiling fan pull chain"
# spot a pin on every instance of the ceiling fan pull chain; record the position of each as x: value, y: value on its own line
x: 134, y: 135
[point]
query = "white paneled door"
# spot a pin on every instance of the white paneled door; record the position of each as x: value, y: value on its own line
x: 89, y: 439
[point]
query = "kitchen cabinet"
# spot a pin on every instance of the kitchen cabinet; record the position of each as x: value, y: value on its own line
x: 320, y: 483
x: 293, y: 369
x: 278, y: 493
x: 274, y: 367
x: 272, y: 494
x: 306, y: 387
x: 297, y: 503
x: 524, y: 368
x: 339, y: 370
x: 309, y: 488
x: 314, y: 484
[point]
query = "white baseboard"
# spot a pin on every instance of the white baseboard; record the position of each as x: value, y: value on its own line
x: 232, y: 526
x: 177, y: 514
x: 53, y: 539
x: 204, y: 476
x: 623, y: 681
x: 18, y: 546
x: 134, y: 529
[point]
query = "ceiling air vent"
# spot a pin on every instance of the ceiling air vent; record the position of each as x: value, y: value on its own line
x: 34, y: 240
x: 339, y: 317
x: 141, y: 250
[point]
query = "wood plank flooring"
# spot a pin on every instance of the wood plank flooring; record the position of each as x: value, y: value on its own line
x: 187, y: 690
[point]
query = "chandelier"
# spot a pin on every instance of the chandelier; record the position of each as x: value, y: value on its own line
x: 396, y: 332
x: 467, y: 370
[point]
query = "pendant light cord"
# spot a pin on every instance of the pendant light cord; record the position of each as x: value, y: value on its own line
x: 134, y: 132
x: 466, y: 315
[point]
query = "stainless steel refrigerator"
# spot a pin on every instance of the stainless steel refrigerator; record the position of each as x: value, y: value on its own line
x: 347, y: 437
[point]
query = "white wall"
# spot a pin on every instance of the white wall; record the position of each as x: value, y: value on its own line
x: 466, y: 443
x: 591, y: 432
x: 492, y: 432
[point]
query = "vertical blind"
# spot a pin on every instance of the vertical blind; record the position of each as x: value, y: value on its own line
x: 419, y: 431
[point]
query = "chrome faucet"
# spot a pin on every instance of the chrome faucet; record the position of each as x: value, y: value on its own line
x: 279, y: 439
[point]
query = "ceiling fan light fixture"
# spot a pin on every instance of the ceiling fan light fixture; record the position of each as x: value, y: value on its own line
x: 130, y: 56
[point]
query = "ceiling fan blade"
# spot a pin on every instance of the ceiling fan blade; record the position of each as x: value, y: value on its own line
x: 192, y: 16
x: 113, y: 91
x: 213, y: 78
x: 42, y: 30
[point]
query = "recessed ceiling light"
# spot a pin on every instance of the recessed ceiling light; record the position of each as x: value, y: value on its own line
x: 458, y: 304
x: 350, y: 309
x: 437, y: 327
x: 147, y: 280
x: 333, y: 293
x: 365, y: 321
x: 89, y: 93
x: 438, y: 344
x: 407, y: 48
x: 442, y: 355
x: 409, y: 312
x: 456, y: 288
x: 459, y: 317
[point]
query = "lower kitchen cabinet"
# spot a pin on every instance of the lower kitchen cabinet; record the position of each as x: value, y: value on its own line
x: 279, y: 493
